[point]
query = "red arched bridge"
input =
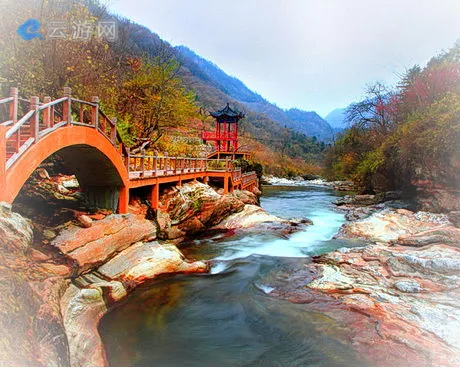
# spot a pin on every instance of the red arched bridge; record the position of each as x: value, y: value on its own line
x: 88, y: 141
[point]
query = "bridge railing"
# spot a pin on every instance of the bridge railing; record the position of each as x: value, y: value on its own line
x: 41, y: 118
x: 44, y: 118
x: 236, y: 175
x: 145, y: 166
x: 248, y: 177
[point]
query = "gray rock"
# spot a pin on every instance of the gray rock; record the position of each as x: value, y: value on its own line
x: 454, y: 218
x: 48, y: 234
x: 408, y: 286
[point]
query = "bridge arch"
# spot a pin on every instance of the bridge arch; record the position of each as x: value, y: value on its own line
x: 97, y: 164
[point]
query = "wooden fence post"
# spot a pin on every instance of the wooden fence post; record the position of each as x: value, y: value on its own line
x: 127, y: 159
x: 34, y: 120
x: 67, y: 106
x: 143, y: 162
x: 95, y: 111
x: 14, y: 104
x: 46, y: 113
x: 3, y: 130
x: 113, y: 131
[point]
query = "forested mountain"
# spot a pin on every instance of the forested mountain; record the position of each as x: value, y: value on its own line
x: 336, y: 119
x: 210, y: 73
x: 159, y: 94
x: 206, y: 72
x: 310, y: 123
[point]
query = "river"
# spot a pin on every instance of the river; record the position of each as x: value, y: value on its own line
x: 227, y: 318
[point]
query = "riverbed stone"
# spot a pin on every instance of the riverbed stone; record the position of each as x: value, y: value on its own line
x: 254, y: 218
x: 82, y: 310
x: 408, y: 286
x: 397, y: 295
x: 15, y: 231
x: 193, y: 207
x: 387, y: 225
x: 92, y: 246
x: 143, y: 261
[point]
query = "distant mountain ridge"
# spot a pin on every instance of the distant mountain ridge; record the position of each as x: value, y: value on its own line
x: 305, y: 122
x: 337, y: 119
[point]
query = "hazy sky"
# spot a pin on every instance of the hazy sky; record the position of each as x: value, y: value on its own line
x: 314, y: 55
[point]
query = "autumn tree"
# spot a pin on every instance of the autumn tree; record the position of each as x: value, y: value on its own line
x: 83, y: 61
x: 377, y: 111
x: 152, y: 100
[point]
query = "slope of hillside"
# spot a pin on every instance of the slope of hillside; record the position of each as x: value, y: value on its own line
x: 206, y: 72
x: 336, y: 119
x: 309, y: 122
x: 210, y: 73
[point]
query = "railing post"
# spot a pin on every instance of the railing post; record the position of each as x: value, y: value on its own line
x: 127, y: 159
x: 3, y: 130
x: 47, y: 112
x: 113, y: 131
x: 95, y: 111
x: 166, y: 162
x: 67, y: 106
x: 14, y: 104
x: 143, y: 162
x: 34, y: 120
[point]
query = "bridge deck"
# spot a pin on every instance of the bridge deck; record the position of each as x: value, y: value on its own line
x: 25, y: 123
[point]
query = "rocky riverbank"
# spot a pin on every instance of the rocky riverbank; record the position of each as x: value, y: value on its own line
x: 398, y: 294
x: 59, y: 279
x: 309, y: 180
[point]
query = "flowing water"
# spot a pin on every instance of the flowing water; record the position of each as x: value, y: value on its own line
x: 227, y: 317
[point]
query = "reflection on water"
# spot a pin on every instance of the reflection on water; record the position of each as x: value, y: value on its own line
x: 226, y: 317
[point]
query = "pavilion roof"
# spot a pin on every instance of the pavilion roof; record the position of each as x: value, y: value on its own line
x: 227, y: 112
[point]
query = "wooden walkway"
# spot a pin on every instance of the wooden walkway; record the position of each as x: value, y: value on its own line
x: 31, y: 131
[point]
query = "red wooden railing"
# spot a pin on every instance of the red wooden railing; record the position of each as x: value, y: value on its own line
x: 40, y: 119
x: 44, y: 118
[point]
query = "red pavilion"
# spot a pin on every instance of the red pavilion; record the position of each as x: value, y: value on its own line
x: 225, y: 135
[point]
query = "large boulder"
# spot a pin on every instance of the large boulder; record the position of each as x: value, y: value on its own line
x: 193, y: 207
x: 438, y: 200
x: 144, y: 261
x: 257, y: 219
x: 398, y: 297
x: 15, y: 231
x: 89, y: 247
x: 32, y: 332
x: 388, y: 224
x: 82, y: 310
x: 246, y: 196
x: 250, y: 216
x: 84, y: 305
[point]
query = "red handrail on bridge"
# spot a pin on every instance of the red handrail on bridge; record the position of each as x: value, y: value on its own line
x: 18, y: 136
